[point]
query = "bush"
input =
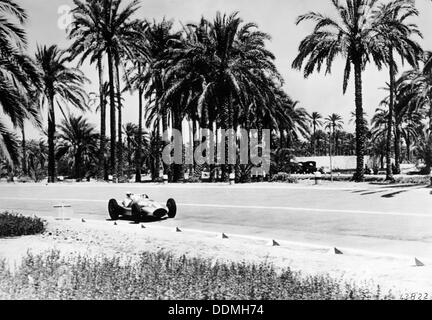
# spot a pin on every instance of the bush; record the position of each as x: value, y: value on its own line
x: 13, y: 225
x: 284, y: 177
x: 163, y: 276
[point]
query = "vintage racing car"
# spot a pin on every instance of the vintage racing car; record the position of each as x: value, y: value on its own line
x: 141, y: 206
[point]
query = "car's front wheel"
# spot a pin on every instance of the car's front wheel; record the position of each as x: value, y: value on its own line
x: 113, y: 209
x: 172, y: 208
x: 136, y: 212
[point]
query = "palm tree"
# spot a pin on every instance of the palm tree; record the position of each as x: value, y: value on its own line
x: 228, y: 76
x: 419, y: 83
x: 316, y: 120
x: 37, y: 159
x: 130, y: 131
x: 62, y: 86
x: 87, y: 33
x: 395, y: 33
x: 139, y: 60
x: 334, y: 123
x: 18, y: 79
x: 160, y: 40
x: 117, y: 39
x: 78, y: 141
x: 411, y: 130
x: 353, y: 37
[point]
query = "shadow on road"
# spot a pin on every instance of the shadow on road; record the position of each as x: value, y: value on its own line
x: 392, y: 195
x: 388, y: 187
x: 148, y: 219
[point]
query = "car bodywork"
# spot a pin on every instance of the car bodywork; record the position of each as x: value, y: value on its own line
x: 141, y: 207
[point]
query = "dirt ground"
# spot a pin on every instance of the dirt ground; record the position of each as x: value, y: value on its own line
x: 97, y: 238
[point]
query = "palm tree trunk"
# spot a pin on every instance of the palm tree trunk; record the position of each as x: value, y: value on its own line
x: 158, y: 155
x: 397, y: 147
x: 113, y: 162
x: 203, y: 124
x: 51, y: 142
x: 178, y: 167
x: 314, y: 139
x: 24, y: 152
x: 195, y: 144
x: 119, y: 123
x: 360, y: 132
x: 138, y: 156
x: 281, y: 138
x: 229, y: 126
x: 408, y: 143
x: 166, y: 167
x: 389, y: 171
x: 102, y: 160
x: 78, y: 165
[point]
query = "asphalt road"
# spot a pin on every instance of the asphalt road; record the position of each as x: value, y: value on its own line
x: 394, y: 220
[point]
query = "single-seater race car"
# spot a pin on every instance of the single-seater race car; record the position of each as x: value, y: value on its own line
x: 141, y: 206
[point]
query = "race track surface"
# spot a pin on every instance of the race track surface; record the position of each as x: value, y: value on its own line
x: 389, y: 219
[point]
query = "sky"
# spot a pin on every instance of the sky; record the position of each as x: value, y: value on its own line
x: 276, y: 17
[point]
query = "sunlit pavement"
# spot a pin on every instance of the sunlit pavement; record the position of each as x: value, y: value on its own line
x: 389, y: 219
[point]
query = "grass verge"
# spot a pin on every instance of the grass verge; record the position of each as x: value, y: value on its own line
x: 163, y: 276
x: 14, y: 225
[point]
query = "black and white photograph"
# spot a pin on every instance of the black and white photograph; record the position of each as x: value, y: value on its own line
x: 191, y: 151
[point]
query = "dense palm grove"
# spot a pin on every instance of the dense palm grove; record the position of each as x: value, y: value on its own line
x: 215, y: 74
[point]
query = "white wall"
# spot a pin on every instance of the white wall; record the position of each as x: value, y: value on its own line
x: 339, y: 162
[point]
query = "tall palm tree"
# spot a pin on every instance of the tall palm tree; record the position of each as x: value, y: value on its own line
x: 18, y: 79
x: 37, y: 159
x: 419, y: 83
x: 334, y: 123
x: 351, y: 36
x: 131, y: 133
x: 160, y: 42
x: 411, y: 130
x: 117, y: 35
x: 316, y: 120
x: 395, y: 33
x: 229, y: 76
x: 78, y: 141
x: 87, y: 34
x: 61, y: 86
x: 138, y: 62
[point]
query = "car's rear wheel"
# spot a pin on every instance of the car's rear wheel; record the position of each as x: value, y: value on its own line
x: 136, y: 212
x: 172, y: 208
x: 113, y: 209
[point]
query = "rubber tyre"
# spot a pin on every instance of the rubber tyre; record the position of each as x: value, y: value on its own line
x: 113, y: 209
x: 172, y: 208
x: 136, y: 212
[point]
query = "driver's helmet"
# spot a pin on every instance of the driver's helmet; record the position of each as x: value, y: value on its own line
x: 129, y: 194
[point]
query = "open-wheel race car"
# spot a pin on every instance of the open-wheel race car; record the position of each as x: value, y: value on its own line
x: 138, y: 207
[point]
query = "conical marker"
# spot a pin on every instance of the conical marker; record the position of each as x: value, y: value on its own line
x: 224, y: 236
x: 418, y: 263
x: 274, y: 243
x: 336, y: 251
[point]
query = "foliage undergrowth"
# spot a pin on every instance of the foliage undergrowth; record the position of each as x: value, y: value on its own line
x: 14, y: 225
x: 164, y: 276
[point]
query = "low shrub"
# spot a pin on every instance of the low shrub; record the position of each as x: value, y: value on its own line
x: 164, y: 276
x: 284, y: 177
x: 13, y: 225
